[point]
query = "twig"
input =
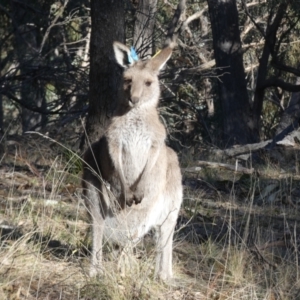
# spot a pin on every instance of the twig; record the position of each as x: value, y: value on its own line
x: 257, y: 250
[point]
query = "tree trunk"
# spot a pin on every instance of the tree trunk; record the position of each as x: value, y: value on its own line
x: 107, y: 26
x: 262, y: 73
x: 235, y: 104
x: 144, y: 26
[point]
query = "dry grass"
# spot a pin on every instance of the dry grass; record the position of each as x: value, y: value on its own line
x: 226, y: 247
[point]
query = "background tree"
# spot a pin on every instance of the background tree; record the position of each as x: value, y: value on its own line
x: 230, y: 71
x: 45, y: 63
x: 282, y: 20
x: 107, y: 26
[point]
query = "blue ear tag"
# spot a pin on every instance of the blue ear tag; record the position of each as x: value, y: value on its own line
x: 132, y: 56
x: 130, y: 60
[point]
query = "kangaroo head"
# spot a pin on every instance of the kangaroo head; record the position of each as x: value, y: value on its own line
x: 140, y: 78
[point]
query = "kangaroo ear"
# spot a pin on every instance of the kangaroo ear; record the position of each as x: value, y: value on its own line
x: 158, y: 61
x: 122, y: 55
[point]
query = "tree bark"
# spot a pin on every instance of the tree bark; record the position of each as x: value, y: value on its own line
x: 144, y: 26
x: 105, y: 76
x: 236, y: 110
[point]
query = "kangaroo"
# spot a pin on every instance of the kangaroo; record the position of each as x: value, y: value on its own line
x: 131, y: 179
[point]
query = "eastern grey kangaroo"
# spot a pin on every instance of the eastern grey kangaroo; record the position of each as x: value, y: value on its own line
x: 131, y: 179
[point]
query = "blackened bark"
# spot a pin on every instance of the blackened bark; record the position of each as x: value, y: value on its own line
x: 232, y: 84
x: 107, y: 26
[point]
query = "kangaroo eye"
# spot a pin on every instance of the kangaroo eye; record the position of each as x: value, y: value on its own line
x: 127, y: 81
x: 148, y: 83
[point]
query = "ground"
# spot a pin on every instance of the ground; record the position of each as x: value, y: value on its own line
x: 236, y: 238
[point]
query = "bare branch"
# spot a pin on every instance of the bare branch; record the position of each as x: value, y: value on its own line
x: 252, y: 19
x: 251, y: 67
x: 277, y: 82
x: 254, y: 3
x: 285, y: 68
x: 199, y: 69
x: 39, y: 109
x: 193, y: 17
x: 177, y: 18
x: 51, y: 26
x: 249, y: 26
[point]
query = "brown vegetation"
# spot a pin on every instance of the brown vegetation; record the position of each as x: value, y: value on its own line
x: 236, y: 238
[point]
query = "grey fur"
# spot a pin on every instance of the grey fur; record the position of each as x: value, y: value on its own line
x: 132, y: 180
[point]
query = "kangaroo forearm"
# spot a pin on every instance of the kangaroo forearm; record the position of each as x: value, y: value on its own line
x: 145, y: 179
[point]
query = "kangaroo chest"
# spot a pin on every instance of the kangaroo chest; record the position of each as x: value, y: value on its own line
x: 133, y: 137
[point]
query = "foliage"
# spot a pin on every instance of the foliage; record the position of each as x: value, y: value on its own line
x: 44, y: 60
x: 44, y: 65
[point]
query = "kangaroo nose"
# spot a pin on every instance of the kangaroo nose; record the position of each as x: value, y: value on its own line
x: 134, y: 100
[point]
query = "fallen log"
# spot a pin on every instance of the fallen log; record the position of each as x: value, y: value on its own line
x: 239, y: 169
x: 292, y: 130
x: 245, y: 149
x: 214, y: 165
